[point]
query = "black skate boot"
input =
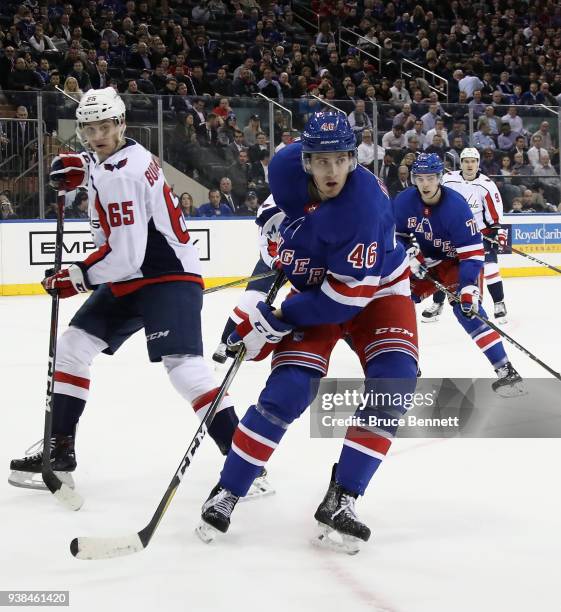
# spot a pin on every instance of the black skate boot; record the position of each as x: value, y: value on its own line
x: 432, y: 313
x: 500, y: 313
x: 220, y: 354
x: 216, y: 513
x: 336, y: 515
x: 26, y: 472
x: 509, y: 383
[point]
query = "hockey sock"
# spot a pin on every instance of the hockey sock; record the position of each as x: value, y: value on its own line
x: 487, y: 339
x: 438, y: 297
x: 255, y: 439
x: 365, y: 446
x: 228, y: 329
x: 496, y: 291
x: 67, y: 411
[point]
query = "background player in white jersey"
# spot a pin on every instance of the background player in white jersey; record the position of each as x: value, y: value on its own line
x: 145, y: 273
x: 486, y: 205
x: 269, y: 217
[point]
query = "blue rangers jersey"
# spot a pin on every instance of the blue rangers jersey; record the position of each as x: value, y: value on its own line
x: 339, y: 254
x: 444, y: 231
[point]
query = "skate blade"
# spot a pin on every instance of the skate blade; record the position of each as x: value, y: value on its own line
x: 260, y: 488
x: 329, y: 539
x: 501, y: 320
x: 22, y: 480
x: 207, y: 533
x: 515, y: 390
x: 430, y: 320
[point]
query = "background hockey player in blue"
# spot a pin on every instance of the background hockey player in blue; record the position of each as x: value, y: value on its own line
x: 438, y: 227
x: 338, y: 250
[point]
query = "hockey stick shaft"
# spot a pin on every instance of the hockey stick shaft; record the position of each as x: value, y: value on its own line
x: 519, y: 252
x: 240, y: 281
x: 494, y: 327
x: 71, y: 499
x: 105, y: 548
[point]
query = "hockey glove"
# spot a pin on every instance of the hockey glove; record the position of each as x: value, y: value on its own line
x: 502, y: 239
x: 417, y: 262
x: 68, y: 282
x: 260, y: 332
x: 69, y: 171
x: 469, y: 300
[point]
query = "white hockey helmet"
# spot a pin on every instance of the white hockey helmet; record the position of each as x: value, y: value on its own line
x: 100, y: 104
x: 470, y: 152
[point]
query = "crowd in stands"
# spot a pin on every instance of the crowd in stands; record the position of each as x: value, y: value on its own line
x: 493, y: 67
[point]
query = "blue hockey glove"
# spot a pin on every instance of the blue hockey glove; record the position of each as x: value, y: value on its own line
x: 260, y: 332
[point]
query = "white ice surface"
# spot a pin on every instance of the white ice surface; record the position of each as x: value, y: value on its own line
x: 458, y: 525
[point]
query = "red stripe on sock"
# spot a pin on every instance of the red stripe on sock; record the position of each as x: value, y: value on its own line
x: 251, y: 447
x: 70, y: 379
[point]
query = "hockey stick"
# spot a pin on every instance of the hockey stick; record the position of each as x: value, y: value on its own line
x: 67, y: 496
x: 519, y: 252
x: 241, y: 281
x: 455, y: 298
x: 92, y: 548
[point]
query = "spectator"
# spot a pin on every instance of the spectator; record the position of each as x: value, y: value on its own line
x: 359, y: 120
x: 79, y: 208
x: 418, y: 132
x: 226, y: 196
x: 399, y: 95
x: 438, y: 129
x: 476, y: 104
x: 458, y: 130
x: 437, y: 146
x: 514, y: 119
x: 532, y: 201
x: 236, y: 146
x: 519, y: 168
x: 269, y: 87
x: 245, y: 85
x: 394, y: 139
x: 548, y: 97
x: 41, y: 44
x: 489, y: 116
x: 533, y: 95
x: 286, y: 139
x: 402, y: 182
x: 223, y: 109
x: 456, y: 150
x: 239, y: 175
x: 207, y: 132
x: 145, y: 84
x: 506, y: 166
x: 214, y: 208
x: 366, y: 151
x: 469, y: 84
x: 429, y: 118
x: 222, y: 85
x: 536, y: 150
x: 6, y: 209
x: 547, y: 141
x: 250, y: 205
x: 482, y: 138
x: 198, y: 112
x: 251, y: 130
x: 405, y: 118
x: 259, y: 175
x: 259, y: 146
x: 388, y: 170
x: 81, y: 75
x: 507, y: 138
x: 516, y: 206
x: 489, y: 165
x: 550, y: 178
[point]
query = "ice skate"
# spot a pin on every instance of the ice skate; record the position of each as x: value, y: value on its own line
x: 220, y: 354
x: 432, y: 313
x: 500, y: 313
x: 339, y: 527
x: 26, y: 472
x: 509, y: 383
x: 216, y: 512
x: 260, y: 487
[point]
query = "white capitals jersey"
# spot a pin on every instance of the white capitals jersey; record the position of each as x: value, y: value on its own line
x: 482, y: 196
x: 137, y: 225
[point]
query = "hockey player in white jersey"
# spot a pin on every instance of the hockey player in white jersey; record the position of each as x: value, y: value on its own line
x: 145, y: 273
x: 486, y: 205
x: 268, y: 219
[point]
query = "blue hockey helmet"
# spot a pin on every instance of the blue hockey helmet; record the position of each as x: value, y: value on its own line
x: 328, y: 132
x: 427, y: 163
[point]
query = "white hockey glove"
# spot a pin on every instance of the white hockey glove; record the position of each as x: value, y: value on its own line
x: 260, y: 332
x: 417, y: 262
x: 469, y: 300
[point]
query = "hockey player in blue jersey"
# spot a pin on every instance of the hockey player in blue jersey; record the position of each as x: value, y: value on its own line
x: 437, y: 226
x: 349, y: 277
